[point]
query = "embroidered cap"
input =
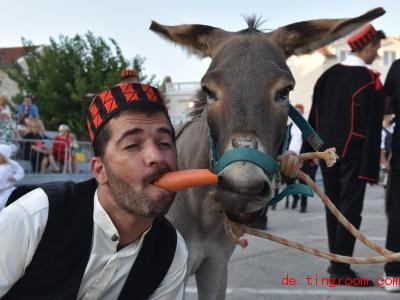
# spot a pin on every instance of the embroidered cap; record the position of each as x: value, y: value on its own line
x: 363, y: 37
x: 128, y: 73
x: 121, y: 97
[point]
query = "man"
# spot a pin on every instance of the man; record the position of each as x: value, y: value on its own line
x: 129, y: 76
x: 105, y: 238
x: 27, y: 108
x: 295, y: 143
x: 392, y: 90
x: 347, y: 113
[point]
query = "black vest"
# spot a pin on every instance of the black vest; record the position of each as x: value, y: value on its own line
x: 58, y: 265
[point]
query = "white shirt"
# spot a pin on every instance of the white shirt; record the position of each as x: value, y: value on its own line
x: 21, y: 227
x: 7, y: 170
x: 390, y: 128
x: 354, y: 61
x: 296, y: 139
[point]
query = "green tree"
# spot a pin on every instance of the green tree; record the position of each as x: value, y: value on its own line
x: 62, y: 77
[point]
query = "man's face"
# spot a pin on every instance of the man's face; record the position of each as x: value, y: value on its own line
x: 140, y: 149
x: 35, y: 128
x: 27, y: 101
x: 372, y: 52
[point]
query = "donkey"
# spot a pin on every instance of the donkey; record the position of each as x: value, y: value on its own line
x: 243, y: 102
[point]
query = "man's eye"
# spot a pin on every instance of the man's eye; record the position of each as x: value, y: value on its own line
x: 166, y: 144
x: 131, y: 146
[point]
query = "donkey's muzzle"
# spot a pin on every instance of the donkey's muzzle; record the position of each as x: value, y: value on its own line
x: 245, y: 178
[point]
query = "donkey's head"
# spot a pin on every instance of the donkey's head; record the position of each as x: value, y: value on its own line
x: 245, y: 91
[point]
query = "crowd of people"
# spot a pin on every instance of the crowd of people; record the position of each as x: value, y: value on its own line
x: 25, y: 133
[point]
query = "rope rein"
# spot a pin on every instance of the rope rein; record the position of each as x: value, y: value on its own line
x: 290, y: 166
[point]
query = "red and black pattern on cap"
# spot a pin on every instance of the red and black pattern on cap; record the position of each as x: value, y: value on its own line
x: 123, y: 96
x: 128, y: 73
x: 362, y: 38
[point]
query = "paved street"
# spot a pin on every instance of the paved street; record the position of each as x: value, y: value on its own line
x: 256, y: 272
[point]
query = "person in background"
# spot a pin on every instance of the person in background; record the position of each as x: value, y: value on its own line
x: 5, y: 111
x: 392, y: 90
x: 386, y: 141
x: 296, y: 141
x: 36, y: 151
x: 27, y: 108
x: 129, y: 76
x: 107, y: 237
x: 62, y: 146
x: 347, y: 112
x: 10, y: 173
x: 75, y: 148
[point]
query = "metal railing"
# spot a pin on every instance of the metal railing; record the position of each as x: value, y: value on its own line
x: 68, y: 159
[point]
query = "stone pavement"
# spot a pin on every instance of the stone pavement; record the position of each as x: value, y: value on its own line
x: 256, y: 272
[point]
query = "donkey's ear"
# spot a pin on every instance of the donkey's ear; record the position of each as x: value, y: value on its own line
x: 305, y: 37
x: 198, y: 39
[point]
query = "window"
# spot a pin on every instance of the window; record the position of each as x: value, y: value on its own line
x: 388, y: 57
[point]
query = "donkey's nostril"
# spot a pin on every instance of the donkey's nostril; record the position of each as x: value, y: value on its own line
x: 265, y: 191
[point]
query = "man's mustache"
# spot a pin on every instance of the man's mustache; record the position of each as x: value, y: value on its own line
x: 149, y: 178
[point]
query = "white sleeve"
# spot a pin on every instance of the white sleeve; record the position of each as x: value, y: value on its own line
x: 21, y: 228
x: 173, y: 285
x: 19, y: 171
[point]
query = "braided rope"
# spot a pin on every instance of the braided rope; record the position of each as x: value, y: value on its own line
x: 290, y: 166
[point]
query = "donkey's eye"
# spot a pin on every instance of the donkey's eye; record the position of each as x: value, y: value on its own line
x: 211, y: 96
x: 283, y: 94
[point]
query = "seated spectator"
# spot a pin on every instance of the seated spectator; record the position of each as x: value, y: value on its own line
x: 22, y: 126
x: 37, y: 152
x: 5, y: 111
x: 27, y: 108
x: 62, y: 148
x: 10, y: 172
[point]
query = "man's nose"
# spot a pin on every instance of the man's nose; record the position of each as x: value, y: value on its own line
x: 153, y: 156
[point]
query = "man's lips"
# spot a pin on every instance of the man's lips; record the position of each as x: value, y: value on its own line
x: 150, y: 178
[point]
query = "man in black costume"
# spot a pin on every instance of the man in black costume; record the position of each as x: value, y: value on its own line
x: 392, y: 90
x: 347, y: 113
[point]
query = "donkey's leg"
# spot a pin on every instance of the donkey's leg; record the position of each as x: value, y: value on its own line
x: 211, y: 279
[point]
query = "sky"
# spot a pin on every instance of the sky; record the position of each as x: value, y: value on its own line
x: 128, y: 21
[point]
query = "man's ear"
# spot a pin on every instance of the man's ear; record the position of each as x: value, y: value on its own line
x: 98, y: 170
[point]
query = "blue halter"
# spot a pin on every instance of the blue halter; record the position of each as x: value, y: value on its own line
x: 266, y: 162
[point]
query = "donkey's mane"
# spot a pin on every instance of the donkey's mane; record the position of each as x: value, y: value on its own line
x: 253, y: 24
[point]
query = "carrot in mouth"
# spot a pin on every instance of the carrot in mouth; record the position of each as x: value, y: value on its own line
x: 180, y: 180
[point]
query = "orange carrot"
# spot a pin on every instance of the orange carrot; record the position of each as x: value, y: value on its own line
x: 180, y: 180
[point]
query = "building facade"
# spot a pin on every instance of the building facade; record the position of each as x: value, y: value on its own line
x: 179, y: 97
x: 8, y: 87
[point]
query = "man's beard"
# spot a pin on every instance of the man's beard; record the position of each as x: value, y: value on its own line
x: 137, y: 202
